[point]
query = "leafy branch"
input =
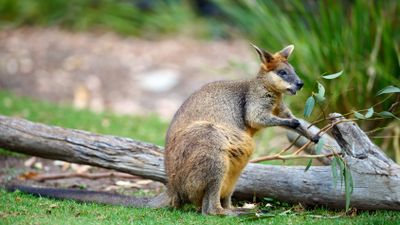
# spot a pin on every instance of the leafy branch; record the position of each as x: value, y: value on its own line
x: 340, y: 170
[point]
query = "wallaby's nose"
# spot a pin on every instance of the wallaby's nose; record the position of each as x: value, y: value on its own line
x: 299, y: 84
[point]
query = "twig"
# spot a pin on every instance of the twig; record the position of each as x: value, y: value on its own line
x: 291, y: 156
x: 323, y: 130
x: 375, y: 130
x: 388, y: 136
x: 290, y: 146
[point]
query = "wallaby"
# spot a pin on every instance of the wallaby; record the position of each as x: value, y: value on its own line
x: 210, y: 139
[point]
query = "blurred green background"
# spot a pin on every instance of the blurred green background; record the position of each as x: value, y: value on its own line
x: 360, y: 37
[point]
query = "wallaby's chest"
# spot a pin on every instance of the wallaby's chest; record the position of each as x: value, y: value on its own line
x: 274, y: 104
x: 276, y: 110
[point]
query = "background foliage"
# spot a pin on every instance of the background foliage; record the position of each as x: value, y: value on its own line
x: 360, y: 37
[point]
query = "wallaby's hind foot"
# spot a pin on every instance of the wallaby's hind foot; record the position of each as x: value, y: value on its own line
x: 160, y: 201
x: 228, y: 212
x: 227, y: 203
x: 212, y: 203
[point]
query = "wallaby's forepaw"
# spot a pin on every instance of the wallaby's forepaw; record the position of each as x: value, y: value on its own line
x: 294, y: 123
x: 315, y: 138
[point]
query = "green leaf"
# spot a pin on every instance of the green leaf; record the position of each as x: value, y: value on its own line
x: 369, y: 113
x: 321, y: 93
x: 348, y: 186
x: 359, y: 115
x: 309, y: 106
x: 341, y: 169
x: 308, y: 165
x: 321, y: 89
x: 388, y: 89
x: 333, y: 76
x: 319, y: 98
x: 319, y: 146
x: 386, y: 114
x: 334, y: 171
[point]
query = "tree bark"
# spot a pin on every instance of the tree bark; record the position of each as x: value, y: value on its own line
x: 376, y: 177
x: 328, y: 141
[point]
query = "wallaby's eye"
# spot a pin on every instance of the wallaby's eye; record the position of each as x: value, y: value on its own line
x: 282, y: 73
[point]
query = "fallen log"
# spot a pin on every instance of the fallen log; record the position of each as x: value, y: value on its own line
x: 376, y: 177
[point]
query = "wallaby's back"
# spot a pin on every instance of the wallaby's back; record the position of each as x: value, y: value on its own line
x: 220, y: 102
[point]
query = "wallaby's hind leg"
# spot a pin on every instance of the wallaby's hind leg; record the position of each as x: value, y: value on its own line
x: 211, y: 201
x: 226, y: 202
x: 203, y: 162
x: 212, y: 204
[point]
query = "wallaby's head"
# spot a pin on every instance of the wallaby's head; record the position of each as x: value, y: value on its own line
x: 277, y: 73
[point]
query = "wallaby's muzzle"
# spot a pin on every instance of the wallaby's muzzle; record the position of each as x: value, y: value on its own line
x: 295, y: 87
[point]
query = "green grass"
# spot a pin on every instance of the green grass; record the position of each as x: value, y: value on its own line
x: 18, y: 208
x: 149, y: 129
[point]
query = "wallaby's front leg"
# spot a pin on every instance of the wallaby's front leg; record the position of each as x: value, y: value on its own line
x: 301, y: 129
x: 270, y: 120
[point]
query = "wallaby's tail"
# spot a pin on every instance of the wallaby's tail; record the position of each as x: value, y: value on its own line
x: 93, y: 196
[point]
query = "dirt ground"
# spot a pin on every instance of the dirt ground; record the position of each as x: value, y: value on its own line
x: 103, y: 71
x: 106, y: 71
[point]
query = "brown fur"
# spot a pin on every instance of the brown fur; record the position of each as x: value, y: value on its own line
x: 274, y: 62
x: 209, y: 141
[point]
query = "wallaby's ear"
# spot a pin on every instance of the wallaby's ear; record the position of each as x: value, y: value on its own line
x: 264, y: 55
x: 285, y: 52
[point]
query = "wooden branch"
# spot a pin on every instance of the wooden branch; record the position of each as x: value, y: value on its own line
x: 329, y: 143
x: 376, y: 178
x: 291, y: 156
